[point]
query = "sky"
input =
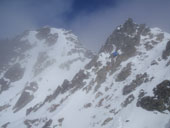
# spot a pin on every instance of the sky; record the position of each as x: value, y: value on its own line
x: 91, y: 20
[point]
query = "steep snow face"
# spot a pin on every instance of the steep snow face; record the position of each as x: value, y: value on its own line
x: 39, y: 61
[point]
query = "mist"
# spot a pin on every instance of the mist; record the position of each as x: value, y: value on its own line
x: 92, y: 27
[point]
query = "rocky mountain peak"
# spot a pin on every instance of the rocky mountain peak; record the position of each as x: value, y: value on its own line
x: 129, y: 26
x: 57, y: 84
x: 125, y: 37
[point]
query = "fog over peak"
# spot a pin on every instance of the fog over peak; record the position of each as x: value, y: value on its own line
x: 92, y: 21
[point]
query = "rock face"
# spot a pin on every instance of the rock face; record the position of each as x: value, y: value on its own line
x: 140, y: 78
x: 56, y: 83
x: 26, y: 96
x: 124, y: 73
x: 166, y: 52
x: 125, y: 38
x: 14, y: 73
x: 161, y: 99
x: 44, y: 34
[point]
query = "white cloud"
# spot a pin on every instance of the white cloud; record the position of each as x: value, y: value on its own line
x: 91, y: 28
x: 19, y: 15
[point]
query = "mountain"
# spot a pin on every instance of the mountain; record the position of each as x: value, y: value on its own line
x: 33, y: 65
x: 126, y: 85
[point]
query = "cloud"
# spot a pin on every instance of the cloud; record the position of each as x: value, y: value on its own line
x: 94, y: 28
x: 19, y: 15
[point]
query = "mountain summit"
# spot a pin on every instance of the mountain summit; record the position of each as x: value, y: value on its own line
x: 54, y: 82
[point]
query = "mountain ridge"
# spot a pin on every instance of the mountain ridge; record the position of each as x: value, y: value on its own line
x: 108, y: 90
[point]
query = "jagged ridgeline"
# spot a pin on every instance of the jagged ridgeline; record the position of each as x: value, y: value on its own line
x: 49, y: 80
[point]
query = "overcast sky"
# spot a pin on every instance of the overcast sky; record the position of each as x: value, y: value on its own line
x: 91, y: 20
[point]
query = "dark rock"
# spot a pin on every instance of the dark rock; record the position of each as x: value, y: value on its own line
x: 41, y: 63
x: 30, y: 123
x: 65, y: 86
x: 60, y: 121
x: 8, y: 52
x: 4, y: 85
x: 24, y: 99
x: 100, y: 103
x: 51, y: 39
x: 78, y: 80
x: 88, y: 105
x: 98, y: 94
x: 48, y: 124
x: 107, y: 121
x: 3, y: 107
x: 151, y: 104
x: 49, y: 98
x: 5, y: 125
x: 168, y: 63
x: 154, y: 62
x: 14, y: 73
x: 125, y: 39
x: 43, y: 33
x: 128, y: 100
x: 161, y: 99
x: 126, y: 71
x: 148, y: 46
x: 166, y: 52
x: 162, y: 91
x: 101, y: 77
x: 53, y: 107
x: 92, y: 63
x: 34, y: 109
x: 140, y: 78
x: 160, y: 37
x: 141, y: 94
x: 26, y: 96
x: 53, y: 96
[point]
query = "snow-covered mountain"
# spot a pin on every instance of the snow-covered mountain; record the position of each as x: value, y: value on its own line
x: 36, y: 63
x: 53, y: 82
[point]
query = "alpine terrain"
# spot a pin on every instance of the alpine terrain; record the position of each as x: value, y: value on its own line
x: 49, y: 80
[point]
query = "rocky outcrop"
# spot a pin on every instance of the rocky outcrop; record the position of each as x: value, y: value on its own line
x: 4, y: 85
x: 48, y: 124
x: 101, y: 77
x: 125, y: 38
x: 5, y: 125
x: 26, y: 96
x: 14, y: 73
x: 128, y: 100
x: 3, y: 107
x: 30, y: 123
x: 161, y: 99
x: 42, y: 63
x: 44, y: 34
x: 125, y: 72
x: 106, y: 121
x: 140, y: 78
x: 166, y: 52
